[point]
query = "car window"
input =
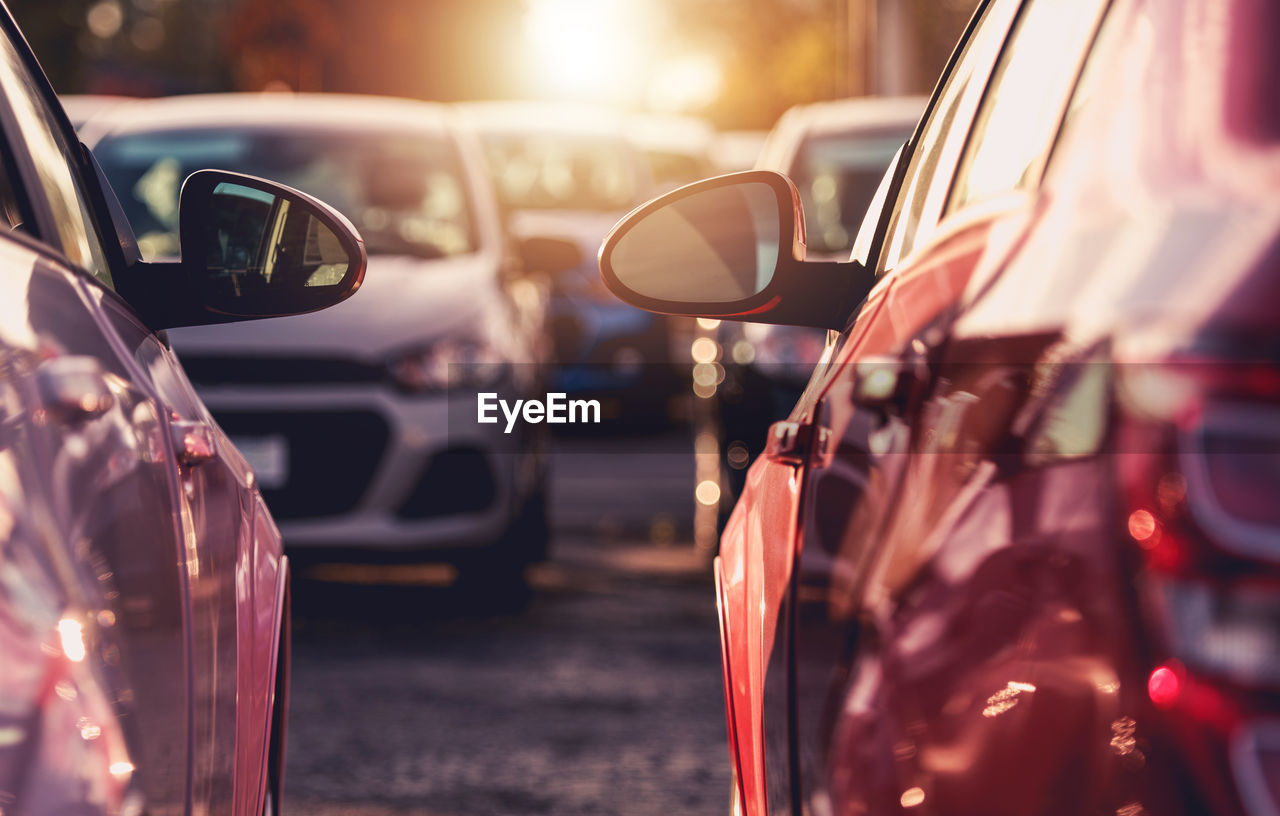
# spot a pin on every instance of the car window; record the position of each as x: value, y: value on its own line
x: 1025, y: 99
x: 52, y: 157
x: 562, y: 171
x: 403, y: 190
x: 837, y: 175
x: 924, y: 186
x: 1091, y: 76
x: 12, y: 209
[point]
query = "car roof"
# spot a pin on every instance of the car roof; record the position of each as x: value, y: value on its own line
x: 345, y: 112
x: 521, y: 116
x: 862, y: 113
x: 683, y: 134
x: 855, y: 118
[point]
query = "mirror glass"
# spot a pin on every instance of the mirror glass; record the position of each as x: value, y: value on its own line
x: 258, y: 244
x: 717, y: 245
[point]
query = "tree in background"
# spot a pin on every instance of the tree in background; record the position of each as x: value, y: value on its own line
x: 771, y: 53
x: 128, y: 47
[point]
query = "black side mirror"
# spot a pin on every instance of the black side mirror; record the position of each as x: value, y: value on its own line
x: 730, y: 247
x: 251, y: 248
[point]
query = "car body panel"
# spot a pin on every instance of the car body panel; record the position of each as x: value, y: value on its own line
x: 142, y: 581
x: 970, y: 621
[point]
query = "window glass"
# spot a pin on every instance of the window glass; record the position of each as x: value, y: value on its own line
x: 53, y: 158
x: 11, y: 207
x: 837, y: 175
x: 940, y: 142
x: 1025, y: 99
x: 1090, y: 76
x: 404, y: 191
x: 562, y: 171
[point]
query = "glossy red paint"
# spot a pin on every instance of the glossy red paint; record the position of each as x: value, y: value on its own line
x: 1018, y: 580
x: 143, y: 595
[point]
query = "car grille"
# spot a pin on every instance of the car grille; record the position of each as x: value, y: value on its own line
x: 455, y: 481
x: 215, y: 370
x: 333, y: 456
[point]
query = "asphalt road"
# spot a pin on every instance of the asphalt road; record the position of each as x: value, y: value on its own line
x: 602, y: 697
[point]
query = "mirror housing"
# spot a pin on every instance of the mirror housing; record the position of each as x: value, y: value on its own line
x: 737, y: 249
x: 250, y: 248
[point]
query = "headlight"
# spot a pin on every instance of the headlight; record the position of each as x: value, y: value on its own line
x: 449, y: 363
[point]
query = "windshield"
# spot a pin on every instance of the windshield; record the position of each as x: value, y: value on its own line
x: 837, y: 176
x: 562, y: 172
x: 403, y: 191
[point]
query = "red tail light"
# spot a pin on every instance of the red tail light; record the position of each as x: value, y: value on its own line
x: 1199, y: 464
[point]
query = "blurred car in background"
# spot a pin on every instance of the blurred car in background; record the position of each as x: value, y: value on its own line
x: 82, y: 107
x: 836, y: 152
x: 1016, y: 549
x: 735, y: 150
x: 355, y: 418
x: 144, y: 595
x: 570, y: 171
x: 677, y: 149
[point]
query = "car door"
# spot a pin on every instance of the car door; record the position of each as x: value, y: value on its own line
x: 871, y: 677
x: 780, y: 546
x: 101, y: 442
x: 122, y: 433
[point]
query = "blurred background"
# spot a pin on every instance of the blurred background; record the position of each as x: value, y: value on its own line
x: 739, y: 63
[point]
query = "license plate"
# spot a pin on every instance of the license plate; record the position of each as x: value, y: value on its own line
x: 268, y: 456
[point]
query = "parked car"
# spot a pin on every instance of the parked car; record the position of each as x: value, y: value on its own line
x: 144, y: 598
x: 677, y: 149
x: 360, y: 420
x: 836, y: 152
x: 569, y: 171
x: 81, y: 108
x: 1015, y: 548
x: 734, y: 150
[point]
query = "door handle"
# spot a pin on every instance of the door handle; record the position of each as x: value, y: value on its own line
x: 192, y: 441
x: 73, y: 388
x: 790, y: 442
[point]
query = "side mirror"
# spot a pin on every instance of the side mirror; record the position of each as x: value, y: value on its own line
x: 549, y: 256
x: 251, y: 248
x: 732, y: 248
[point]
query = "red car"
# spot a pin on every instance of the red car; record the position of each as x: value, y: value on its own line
x: 144, y: 614
x: 1017, y: 548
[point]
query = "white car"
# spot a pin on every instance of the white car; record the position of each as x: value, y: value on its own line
x: 360, y: 421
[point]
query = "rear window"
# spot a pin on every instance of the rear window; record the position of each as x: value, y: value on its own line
x: 562, y: 172
x: 404, y: 192
x: 837, y: 176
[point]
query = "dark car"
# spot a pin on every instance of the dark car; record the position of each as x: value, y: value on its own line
x: 144, y: 597
x: 1016, y: 549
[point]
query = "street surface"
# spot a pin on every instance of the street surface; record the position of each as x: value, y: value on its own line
x: 603, y: 696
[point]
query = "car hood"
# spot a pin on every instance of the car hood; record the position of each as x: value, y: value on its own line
x: 403, y: 300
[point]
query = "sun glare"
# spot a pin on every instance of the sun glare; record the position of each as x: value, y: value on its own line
x: 587, y: 49
x: 685, y: 84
